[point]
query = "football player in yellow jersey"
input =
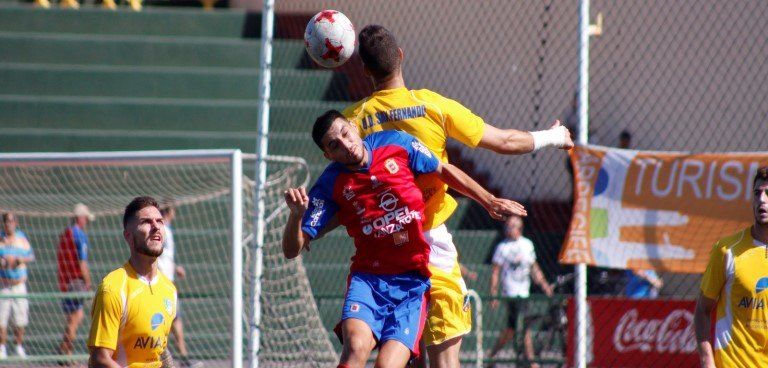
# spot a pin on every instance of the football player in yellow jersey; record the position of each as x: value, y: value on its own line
x: 735, y: 285
x: 433, y: 119
x: 135, y: 304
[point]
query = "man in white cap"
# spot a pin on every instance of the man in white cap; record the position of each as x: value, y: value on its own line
x: 74, y: 275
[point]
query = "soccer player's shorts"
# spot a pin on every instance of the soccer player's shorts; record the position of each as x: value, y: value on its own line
x: 516, y: 308
x: 73, y: 305
x: 16, y: 309
x: 450, y: 315
x: 393, y: 306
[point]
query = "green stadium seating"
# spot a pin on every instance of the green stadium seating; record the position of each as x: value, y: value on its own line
x: 23, y: 47
x: 150, y: 22
x: 157, y: 82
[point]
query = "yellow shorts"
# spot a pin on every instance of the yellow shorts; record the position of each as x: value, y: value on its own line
x: 449, y: 315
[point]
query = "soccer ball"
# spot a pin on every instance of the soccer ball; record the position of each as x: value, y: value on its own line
x: 330, y: 38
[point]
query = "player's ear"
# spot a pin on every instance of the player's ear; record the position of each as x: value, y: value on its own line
x: 401, y: 53
x: 327, y: 156
x: 127, y: 236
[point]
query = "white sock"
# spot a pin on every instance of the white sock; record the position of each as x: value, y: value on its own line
x: 554, y: 137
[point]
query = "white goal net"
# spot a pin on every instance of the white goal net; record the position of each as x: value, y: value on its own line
x: 43, y: 189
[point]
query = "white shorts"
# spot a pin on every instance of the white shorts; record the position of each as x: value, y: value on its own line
x: 18, y: 308
x: 449, y: 313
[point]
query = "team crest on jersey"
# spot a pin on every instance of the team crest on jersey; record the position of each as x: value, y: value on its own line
x: 355, y: 307
x: 156, y: 321
x: 421, y: 148
x: 348, y: 193
x: 391, y: 166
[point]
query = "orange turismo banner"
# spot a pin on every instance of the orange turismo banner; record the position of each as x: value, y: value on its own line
x: 656, y: 210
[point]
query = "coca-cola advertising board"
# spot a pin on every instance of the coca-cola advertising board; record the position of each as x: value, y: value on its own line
x: 637, y: 333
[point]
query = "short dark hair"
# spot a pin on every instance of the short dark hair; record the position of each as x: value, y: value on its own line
x: 136, y: 205
x: 762, y: 174
x: 378, y: 49
x: 6, y: 215
x: 625, y: 134
x: 322, y: 124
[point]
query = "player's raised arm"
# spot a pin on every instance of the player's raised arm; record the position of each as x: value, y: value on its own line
x: 294, y: 238
x: 498, y: 208
x: 517, y: 142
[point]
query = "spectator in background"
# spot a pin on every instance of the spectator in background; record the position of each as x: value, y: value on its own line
x: 515, y: 260
x: 15, y: 253
x: 74, y: 4
x: 73, y: 273
x: 167, y: 265
x: 625, y: 139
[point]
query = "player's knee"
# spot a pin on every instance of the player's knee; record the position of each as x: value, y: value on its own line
x: 359, y: 344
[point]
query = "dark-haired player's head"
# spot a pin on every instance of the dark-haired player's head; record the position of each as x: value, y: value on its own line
x: 338, y: 138
x: 9, y: 223
x: 760, y: 197
x: 513, y: 227
x: 379, y: 51
x: 143, y: 226
x: 625, y: 139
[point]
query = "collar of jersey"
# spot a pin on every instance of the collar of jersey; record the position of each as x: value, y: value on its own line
x: 392, y: 91
x: 142, y: 278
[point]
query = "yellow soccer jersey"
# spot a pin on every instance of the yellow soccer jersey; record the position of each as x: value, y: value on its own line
x: 432, y: 119
x: 737, y: 277
x: 133, y: 317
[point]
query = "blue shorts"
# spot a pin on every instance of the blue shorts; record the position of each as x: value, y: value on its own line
x: 71, y: 305
x: 393, y: 306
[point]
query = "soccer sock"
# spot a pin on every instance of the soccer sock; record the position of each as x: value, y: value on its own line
x: 554, y: 137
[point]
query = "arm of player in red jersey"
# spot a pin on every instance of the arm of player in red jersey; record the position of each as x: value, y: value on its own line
x: 517, y: 142
x: 294, y: 238
x: 498, y: 208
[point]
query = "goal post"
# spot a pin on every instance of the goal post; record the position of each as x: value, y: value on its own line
x: 213, y: 232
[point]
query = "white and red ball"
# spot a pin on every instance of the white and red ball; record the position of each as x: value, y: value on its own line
x: 330, y: 38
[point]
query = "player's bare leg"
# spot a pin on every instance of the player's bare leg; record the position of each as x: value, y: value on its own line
x: 358, y: 343
x: 393, y: 354
x: 421, y: 361
x: 178, y: 336
x: 528, y: 340
x: 445, y: 355
x: 73, y: 321
x: 504, y: 338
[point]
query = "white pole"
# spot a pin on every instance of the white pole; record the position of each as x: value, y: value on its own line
x: 267, y: 19
x: 478, y: 322
x: 580, y: 359
x: 237, y: 260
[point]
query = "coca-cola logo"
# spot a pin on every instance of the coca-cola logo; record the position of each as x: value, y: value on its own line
x: 673, y: 334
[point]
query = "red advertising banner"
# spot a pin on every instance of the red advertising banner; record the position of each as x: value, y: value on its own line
x: 637, y: 333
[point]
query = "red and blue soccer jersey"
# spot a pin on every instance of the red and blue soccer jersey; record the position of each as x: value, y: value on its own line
x: 73, y: 248
x: 380, y: 205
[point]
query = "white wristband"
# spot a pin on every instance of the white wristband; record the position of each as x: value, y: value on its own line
x: 554, y: 137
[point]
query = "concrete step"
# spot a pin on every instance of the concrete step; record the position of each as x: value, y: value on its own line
x: 47, y: 48
x: 186, y: 116
x: 149, y: 22
x: 148, y: 82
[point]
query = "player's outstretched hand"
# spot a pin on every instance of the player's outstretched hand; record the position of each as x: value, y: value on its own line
x: 297, y: 200
x: 568, y: 139
x: 501, y: 209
